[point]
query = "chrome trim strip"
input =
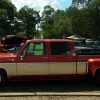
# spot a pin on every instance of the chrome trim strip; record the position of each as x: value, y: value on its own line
x: 87, y: 67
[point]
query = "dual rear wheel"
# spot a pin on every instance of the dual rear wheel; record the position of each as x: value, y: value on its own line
x: 97, y: 78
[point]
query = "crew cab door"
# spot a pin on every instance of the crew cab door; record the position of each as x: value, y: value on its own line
x: 33, y: 61
x: 61, y: 60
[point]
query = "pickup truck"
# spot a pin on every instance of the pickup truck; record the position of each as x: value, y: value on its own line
x: 47, y: 59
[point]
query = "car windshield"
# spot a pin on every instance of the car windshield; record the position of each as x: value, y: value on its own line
x: 19, y: 48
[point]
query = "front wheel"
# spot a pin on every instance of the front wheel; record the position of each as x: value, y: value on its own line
x: 3, y: 78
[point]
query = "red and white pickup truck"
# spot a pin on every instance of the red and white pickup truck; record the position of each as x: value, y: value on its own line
x: 46, y: 59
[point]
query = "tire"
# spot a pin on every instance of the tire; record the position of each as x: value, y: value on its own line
x: 3, y: 78
x: 97, y: 78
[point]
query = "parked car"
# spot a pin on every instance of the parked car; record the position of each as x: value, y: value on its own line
x: 81, y: 48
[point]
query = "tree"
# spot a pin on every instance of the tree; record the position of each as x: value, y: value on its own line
x: 7, y: 14
x: 29, y: 18
x: 92, y: 11
x: 47, y: 21
x: 61, y: 24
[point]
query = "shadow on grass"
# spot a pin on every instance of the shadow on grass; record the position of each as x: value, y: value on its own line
x: 50, y: 86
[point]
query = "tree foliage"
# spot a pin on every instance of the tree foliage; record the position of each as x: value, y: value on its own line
x: 47, y: 21
x: 81, y: 18
x: 7, y: 13
x: 29, y: 18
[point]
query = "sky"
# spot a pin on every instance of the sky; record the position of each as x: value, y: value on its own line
x: 39, y: 4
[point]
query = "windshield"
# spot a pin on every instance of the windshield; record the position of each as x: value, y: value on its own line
x: 19, y: 48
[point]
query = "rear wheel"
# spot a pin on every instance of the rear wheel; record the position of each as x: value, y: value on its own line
x: 97, y: 78
x: 3, y: 78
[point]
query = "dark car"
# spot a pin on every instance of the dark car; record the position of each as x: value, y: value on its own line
x: 80, y: 48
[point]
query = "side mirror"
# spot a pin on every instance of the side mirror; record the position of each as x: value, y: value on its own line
x: 21, y: 57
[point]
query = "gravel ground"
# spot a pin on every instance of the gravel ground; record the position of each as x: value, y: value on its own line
x: 52, y: 98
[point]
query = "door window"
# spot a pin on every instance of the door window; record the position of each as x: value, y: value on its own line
x: 59, y: 48
x: 35, y: 49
